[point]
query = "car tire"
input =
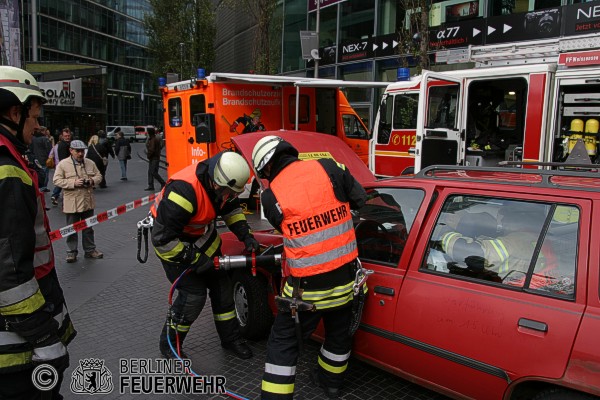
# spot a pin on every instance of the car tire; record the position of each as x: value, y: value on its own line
x: 561, y: 394
x: 251, y: 305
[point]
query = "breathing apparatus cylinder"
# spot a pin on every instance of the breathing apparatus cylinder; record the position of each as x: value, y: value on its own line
x: 591, y: 136
x: 576, y: 132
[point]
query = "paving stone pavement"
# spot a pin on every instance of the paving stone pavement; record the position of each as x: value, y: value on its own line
x: 119, y: 306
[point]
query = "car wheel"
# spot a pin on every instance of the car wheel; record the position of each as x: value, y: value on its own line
x: 561, y: 394
x: 251, y: 305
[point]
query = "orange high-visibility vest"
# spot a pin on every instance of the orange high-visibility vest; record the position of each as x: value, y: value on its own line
x: 205, y: 213
x: 317, y: 229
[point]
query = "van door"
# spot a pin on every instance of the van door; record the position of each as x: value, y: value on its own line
x: 439, y: 138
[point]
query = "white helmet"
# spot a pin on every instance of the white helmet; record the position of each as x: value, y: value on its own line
x: 230, y: 170
x: 18, y: 84
x: 264, y: 150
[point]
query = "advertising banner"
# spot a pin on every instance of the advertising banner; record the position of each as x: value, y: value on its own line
x: 62, y: 93
x: 540, y: 24
x: 582, y: 18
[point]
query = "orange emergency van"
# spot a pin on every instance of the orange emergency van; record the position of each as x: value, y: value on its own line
x: 202, y: 114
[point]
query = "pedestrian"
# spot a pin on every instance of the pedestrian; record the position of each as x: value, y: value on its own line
x: 35, y: 326
x: 94, y: 153
x: 105, y: 149
x: 78, y: 176
x: 185, y: 238
x: 153, y: 148
x: 123, y: 152
x: 62, y: 152
x: 321, y: 256
x: 40, y: 148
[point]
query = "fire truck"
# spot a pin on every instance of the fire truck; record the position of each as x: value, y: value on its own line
x: 527, y: 102
x: 202, y: 114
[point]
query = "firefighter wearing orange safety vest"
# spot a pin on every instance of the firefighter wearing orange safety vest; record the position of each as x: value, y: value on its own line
x: 184, y: 236
x: 310, y: 202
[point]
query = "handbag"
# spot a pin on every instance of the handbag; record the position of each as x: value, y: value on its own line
x: 50, y: 163
x: 104, y: 159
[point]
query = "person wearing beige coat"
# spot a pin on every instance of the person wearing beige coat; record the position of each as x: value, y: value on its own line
x: 78, y: 176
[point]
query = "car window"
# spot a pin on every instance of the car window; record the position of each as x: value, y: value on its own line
x: 353, y: 129
x: 517, y: 244
x: 382, y: 225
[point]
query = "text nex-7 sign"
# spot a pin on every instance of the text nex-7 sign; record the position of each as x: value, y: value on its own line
x: 582, y: 18
x: 312, y: 4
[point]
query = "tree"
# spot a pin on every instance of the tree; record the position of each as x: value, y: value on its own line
x: 414, y: 40
x: 267, y: 41
x: 172, y: 22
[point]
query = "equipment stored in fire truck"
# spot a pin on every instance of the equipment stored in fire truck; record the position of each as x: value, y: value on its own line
x: 511, y: 107
x: 203, y: 113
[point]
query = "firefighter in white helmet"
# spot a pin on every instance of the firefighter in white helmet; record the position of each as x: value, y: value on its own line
x: 35, y: 325
x: 321, y: 251
x: 185, y: 236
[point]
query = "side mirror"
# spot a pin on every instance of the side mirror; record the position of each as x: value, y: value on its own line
x: 205, y: 128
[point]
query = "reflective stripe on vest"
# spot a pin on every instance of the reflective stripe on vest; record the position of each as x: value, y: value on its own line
x: 317, y: 228
x: 205, y: 212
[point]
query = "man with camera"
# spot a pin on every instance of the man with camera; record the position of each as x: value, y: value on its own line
x: 78, y: 176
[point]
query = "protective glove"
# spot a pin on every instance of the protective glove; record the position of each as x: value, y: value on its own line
x: 202, y: 263
x: 252, y: 244
x: 233, y: 126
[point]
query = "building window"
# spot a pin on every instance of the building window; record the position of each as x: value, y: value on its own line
x: 357, y: 20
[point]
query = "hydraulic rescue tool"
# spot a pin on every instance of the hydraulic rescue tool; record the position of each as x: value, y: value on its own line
x: 248, y: 261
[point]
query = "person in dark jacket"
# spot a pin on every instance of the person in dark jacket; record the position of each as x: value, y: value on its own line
x: 320, y: 249
x: 185, y: 238
x: 94, y: 154
x: 153, y: 148
x: 123, y: 152
x: 40, y: 148
x: 105, y: 148
x: 35, y: 326
x: 63, y: 151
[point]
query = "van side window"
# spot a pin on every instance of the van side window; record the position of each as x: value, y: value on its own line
x: 175, y: 112
x: 516, y: 244
x: 303, y: 109
x: 197, y: 105
x: 353, y: 129
x: 441, y: 109
x: 382, y: 225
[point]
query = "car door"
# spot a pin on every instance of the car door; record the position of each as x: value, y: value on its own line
x: 385, y: 232
x: 439, y: 137
x: 475, y: 327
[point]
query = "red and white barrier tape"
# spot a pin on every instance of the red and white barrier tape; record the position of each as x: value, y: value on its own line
x: 98, y: 218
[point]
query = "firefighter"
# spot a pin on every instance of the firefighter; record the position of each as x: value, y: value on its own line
x: 185, y: 236
x: 250, y: 122
x: 320, y: 249
x: 35, y: 326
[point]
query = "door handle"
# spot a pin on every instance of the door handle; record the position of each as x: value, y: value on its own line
x: 535, y: 325
x: 384, y: 290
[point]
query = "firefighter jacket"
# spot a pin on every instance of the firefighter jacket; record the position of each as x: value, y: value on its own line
x: 316, y: 224
x: 185, y: 211
x: 32, y: 306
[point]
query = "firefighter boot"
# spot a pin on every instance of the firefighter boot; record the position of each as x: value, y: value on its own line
x: 165, y: 349
x: 330, y: 392
x: 239, y: 348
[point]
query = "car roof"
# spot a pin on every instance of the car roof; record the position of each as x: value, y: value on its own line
x: 310, y: 145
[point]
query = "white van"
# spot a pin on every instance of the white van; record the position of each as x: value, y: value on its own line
x: 128, y: 132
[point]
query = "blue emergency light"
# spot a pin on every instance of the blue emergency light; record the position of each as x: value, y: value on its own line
x: 403, y: 74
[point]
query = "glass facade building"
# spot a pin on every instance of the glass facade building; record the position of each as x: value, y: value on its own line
x: 102, y: 33
x: 360, y: 40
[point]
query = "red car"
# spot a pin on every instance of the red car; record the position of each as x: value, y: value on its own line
x: 485, y: 285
